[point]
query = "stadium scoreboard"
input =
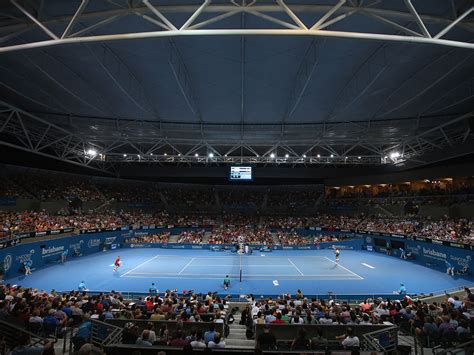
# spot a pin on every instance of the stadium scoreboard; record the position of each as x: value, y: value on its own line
x: 240, y: 173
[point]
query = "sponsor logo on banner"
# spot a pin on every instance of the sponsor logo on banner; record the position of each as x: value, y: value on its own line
x: 140, y: 245
x: 93, y: 243
x: 370, y: 248
x: 367, y: 239
x: 7, y: 262
x: 76, y: 245
x: 462, y: 261
x: 110, y: 240
x: 55, y: 231
x: 414, y: 249
x: 196, y: 247
x: 289, y: 248
x: 304, y: 248
x: 431, y: 253
x: 141, y: 234
x: 40, y: 234
x: 45, y: 252
x: 436, y: 241
x: 25, y: 257
x: 457, y: 245
x: 396, y: 235
x: 177, y: 247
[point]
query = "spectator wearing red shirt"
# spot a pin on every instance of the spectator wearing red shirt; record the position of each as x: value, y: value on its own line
x: 278, y: 319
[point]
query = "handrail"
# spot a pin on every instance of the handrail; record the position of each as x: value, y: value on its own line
x: 453, y: 350
x: 371, y: 339
x: 113, y: 333
x: 12, y: 332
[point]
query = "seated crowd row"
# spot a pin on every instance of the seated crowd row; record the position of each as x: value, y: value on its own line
x: 227, y: 228
x: 49, y: 313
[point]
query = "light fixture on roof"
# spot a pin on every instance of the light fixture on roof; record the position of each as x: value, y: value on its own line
x: 304, y: 155
x: 359, y: 157
x: 272, y: 155
x: 165, y: 154
x: 319, y: 155
x: 394, y: 155
x: 125, y: 155
x: 196, y: 155
x: 211, y: 155
x: 91, y: 152
x: 332, y: 155
x: 151, y: 153
x: 287, y: 155
x: 179, y: 154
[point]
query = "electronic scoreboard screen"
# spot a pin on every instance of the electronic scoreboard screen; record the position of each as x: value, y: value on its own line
x: 240, y: 173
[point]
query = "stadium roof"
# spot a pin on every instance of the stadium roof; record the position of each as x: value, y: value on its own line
x: 352, y: 82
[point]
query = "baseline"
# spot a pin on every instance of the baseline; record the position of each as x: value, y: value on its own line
x: 344, y: 268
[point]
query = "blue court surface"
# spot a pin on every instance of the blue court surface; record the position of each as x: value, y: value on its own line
x: 277, y: 272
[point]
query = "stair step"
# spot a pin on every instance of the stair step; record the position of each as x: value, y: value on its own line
x: 239, y: 342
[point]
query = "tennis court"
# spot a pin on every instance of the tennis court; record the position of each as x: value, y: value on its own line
x: 271, y: 273
x: 251, y: 267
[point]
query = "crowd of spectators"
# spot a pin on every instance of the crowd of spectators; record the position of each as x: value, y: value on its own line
x: 291, y: 238
x: 242, y: 198
x: 327, y: 221
x: 293, y: 200
x: 149, y: 238
x: 457, y: 230
x: 234, y: 235
x: 51, y: 313
x: 190, y: 198
x: 191, y: 237
x: 435, y: 322
x: 240, y: 220
x: 433, y: 193
x: 256, y: 229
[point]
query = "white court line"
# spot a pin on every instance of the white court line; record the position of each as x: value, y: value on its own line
x: 253, y: 277
x: 249, y: 265
x: 344, y: 268
x: 227, y: 256
x: 296, y: 267
x: 185, y: 266
x: 369, y: 266
x: 275, y: 275
x: 136, y: 267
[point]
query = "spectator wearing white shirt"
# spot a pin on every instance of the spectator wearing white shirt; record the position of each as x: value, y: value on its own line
x: 349, y: 340
x: 217, y: 342
x: 198, y: 342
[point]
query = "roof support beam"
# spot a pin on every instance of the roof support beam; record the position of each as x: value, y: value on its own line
x: 291, y: 14
x: 183, y: 79
x: 160, y: 15
x: 195, y: 15
x: 328, y: 14
x: 30, y: 133
x: 418, y: 19
x: 75, y: 18
x: 302, y: 79
x: 32, y: 18
x: 454, y: 23
x: 240, y: 32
